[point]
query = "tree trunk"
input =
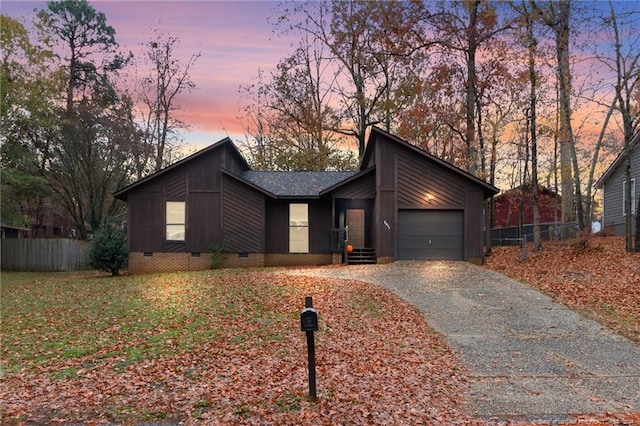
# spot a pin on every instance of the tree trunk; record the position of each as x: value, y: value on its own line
x: 471, y: 87
x: 534, y: 141
x: 628, y: 218
x: 564, y: 98
x: 594, y: 161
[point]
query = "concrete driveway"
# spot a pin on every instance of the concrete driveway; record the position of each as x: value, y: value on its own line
x: 528, y: 357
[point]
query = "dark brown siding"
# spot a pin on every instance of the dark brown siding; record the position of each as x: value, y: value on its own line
x: 473, y: 223
x: 146, y: 221
x: 204, y: 172
x: 243, y: 217
x: 386, y: 211
x: 277, y: 229
x: 421, y: 184
x: 320, y: 218
x: 204, y: 223
x: 231, y: 162
x: 364, y: 187
x: 176, y: 185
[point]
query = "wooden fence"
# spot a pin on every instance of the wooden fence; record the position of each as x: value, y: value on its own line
x: 44, y: 254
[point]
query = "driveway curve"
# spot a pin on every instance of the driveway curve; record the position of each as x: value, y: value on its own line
x: 528, y: 357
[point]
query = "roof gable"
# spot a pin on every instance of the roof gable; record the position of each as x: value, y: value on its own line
x: 121, y: 194
x: 635, y: 141
x: 368, y: 159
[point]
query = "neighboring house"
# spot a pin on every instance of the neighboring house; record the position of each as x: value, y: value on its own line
x: 508, y: 203
x: 403, y: 203
x: 613, y: 185
x: 11, y: 231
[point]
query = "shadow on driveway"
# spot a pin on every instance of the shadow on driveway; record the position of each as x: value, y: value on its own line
x: 528, y: 357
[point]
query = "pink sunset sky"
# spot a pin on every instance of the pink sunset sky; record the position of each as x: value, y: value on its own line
x: 234, y: 39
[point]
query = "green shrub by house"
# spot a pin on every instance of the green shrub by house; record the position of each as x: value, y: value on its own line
x: 109, y: 249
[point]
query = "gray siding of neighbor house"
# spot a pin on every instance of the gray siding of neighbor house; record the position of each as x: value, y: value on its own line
x: 613, y: 219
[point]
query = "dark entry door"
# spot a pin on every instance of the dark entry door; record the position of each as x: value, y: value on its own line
x: 355, y: 222
x: 430, y: 235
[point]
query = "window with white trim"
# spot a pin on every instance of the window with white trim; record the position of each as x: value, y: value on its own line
x: 298, y: 228
x: 176, y: 220
x: 633, y: 197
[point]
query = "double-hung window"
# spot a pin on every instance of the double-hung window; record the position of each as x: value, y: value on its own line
x: 299, y: 228
x: 176, y: 220
x: 633, y: 197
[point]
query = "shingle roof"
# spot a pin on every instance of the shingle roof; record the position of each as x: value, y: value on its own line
x: 295, y: 184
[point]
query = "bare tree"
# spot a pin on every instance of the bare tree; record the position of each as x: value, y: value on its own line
x: 364, y: 42
x: 626, y: 66
x: 557, y: 15
x: 292, y: 117
x: 169, y: 76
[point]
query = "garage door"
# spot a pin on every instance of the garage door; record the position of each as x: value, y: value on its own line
x: 430, y: 235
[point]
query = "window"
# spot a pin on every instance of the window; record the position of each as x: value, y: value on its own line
x: 298, y: 228
x: 633, y: 197
x: 176, y: 223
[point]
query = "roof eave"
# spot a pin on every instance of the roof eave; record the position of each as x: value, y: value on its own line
x: 249, y: 184
x: 347, y: 180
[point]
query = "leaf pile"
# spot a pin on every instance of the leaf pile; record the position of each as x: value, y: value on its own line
x: 218, y: 348
x: 597, y: 277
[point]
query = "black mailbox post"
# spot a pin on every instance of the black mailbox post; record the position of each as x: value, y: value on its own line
x: 309, y: 324
x: 309, y: 319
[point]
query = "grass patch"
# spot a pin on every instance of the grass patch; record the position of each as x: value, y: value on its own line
x: 48, y: 317
x: 67, y: 373
x: 366, y: 303
x: 288, y: 402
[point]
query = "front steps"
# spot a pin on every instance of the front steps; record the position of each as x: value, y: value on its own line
x: 361, y: 256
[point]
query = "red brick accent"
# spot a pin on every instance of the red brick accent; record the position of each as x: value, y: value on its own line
x: 167, y: 262
x: 291, y: 259
x: 171, y: 262
x: 234, y: 260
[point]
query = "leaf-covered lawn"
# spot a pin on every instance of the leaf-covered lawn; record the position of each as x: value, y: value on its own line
x: 218, y: 347
x: 600, y: 280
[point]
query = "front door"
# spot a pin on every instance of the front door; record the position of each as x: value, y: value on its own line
x: 355, y: 222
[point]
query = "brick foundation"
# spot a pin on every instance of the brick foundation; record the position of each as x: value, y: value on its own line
x: 156, y: 262
x: 296, y: 259
x: 139, y: 263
